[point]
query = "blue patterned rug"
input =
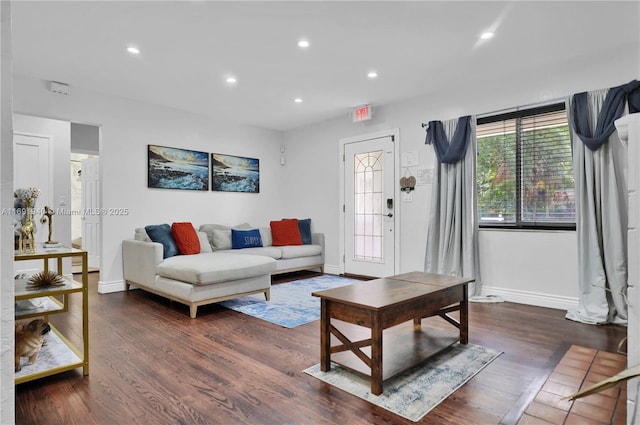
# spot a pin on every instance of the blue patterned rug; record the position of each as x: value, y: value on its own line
x: 416, y: 392
x: 291, y: 303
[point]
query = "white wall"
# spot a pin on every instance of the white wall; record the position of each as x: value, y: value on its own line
x: 127, y: 127
x: 85, y: 139
x: 308, y: 184
x: 533, y: 267
x: 7, y: 305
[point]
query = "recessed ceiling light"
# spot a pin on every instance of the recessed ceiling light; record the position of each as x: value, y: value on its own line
x: 231, y: 80
x: 487, y: 35
x: 372, y: 74
x: 303, y: 43
x: 297, y: 100
x: 133, y: 50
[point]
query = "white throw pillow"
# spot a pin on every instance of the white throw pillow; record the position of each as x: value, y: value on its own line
x: 265, y: 234
x: 221, y: 239
x: 204, y: 242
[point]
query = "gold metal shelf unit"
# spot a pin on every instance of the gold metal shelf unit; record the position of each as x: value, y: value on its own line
x: 58, y: 354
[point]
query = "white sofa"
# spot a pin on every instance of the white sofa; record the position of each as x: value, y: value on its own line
x: 216, y: 273
x: 288, y: 258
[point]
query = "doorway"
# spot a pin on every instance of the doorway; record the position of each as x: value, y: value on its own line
x: 79, y: 192
x: 85, y: 192
x: 43, y: 149
x: 368, y: 207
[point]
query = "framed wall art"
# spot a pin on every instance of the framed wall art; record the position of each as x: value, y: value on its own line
x: 175, y: 168
x: 235, y: 173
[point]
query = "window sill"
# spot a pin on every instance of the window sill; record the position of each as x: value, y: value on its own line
x: 527, y: 229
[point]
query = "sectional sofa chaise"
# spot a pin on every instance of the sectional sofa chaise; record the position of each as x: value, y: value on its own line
x: 215, y: 267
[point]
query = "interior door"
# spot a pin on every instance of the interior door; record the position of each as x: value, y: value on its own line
x: 369, y: 207
x: 31, y: 156
x: 90, y: 178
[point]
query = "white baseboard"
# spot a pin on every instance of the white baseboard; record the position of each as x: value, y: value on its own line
x: 331, y: 269
x: 532, y: 298
x: 521, y: 297
x: 109, y: 287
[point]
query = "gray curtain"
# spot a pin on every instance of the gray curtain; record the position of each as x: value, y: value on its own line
x: 601, y: 224
x: 452, y: 238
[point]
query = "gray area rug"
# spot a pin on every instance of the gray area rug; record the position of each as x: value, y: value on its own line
x: 291, y: 303
x: 416, y: 392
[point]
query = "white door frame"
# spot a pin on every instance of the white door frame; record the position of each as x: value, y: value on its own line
x: 395, y: 134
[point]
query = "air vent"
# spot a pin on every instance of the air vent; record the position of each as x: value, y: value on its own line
x: 60, y: 88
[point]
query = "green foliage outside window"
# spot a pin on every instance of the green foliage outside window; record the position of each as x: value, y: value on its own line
x: 525, y: 172
x: 496, y: 178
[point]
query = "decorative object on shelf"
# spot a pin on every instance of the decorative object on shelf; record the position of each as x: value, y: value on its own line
x: 29, y: 340
x: 31, y: 304
x: 408, y: 182
x: 18, y: 219
x: 48, y: 216
x: 45, y: 280
x: 26, y: 241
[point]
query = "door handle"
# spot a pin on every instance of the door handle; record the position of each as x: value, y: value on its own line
x: 390, y: 215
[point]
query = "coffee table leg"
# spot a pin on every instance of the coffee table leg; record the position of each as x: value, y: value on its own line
x: 325, y: 337
x: 464, y: 317
x: 376, y: 357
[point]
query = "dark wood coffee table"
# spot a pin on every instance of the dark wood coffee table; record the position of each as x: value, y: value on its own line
x: 385, y: 303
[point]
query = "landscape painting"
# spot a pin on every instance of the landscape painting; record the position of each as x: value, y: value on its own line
x: 174, y: 168
x: 235, y: 173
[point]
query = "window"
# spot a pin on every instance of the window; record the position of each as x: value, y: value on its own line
x: 525, y: 170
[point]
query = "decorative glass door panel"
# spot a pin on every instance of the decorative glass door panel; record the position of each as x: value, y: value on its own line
x: 368, y: 169
x: 369, y: 207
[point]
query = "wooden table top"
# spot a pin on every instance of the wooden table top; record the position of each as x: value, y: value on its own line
x: 388, y: 291
x: 432, y: 278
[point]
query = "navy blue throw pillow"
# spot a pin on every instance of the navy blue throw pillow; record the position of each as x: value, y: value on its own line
x: 304, y: 226
x: 161, y: 233
x: 245, y: 238
x: 305, y: 230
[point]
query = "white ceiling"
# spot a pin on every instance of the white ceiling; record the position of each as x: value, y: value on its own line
x: 417, y: 48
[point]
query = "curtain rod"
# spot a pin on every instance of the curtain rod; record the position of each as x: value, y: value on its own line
x: 527, y: 106
x: 517, y: 108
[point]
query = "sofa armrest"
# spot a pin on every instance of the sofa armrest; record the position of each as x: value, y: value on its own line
x: 140, y: 261
x: 318, y: 239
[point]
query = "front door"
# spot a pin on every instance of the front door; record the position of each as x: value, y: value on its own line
x: 369, y: 207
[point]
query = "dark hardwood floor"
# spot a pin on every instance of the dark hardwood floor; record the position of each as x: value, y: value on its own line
x: 151, y: 364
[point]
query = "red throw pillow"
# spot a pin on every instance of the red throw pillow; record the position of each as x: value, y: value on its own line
x: 186, y: 238
x: 285, y: 232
